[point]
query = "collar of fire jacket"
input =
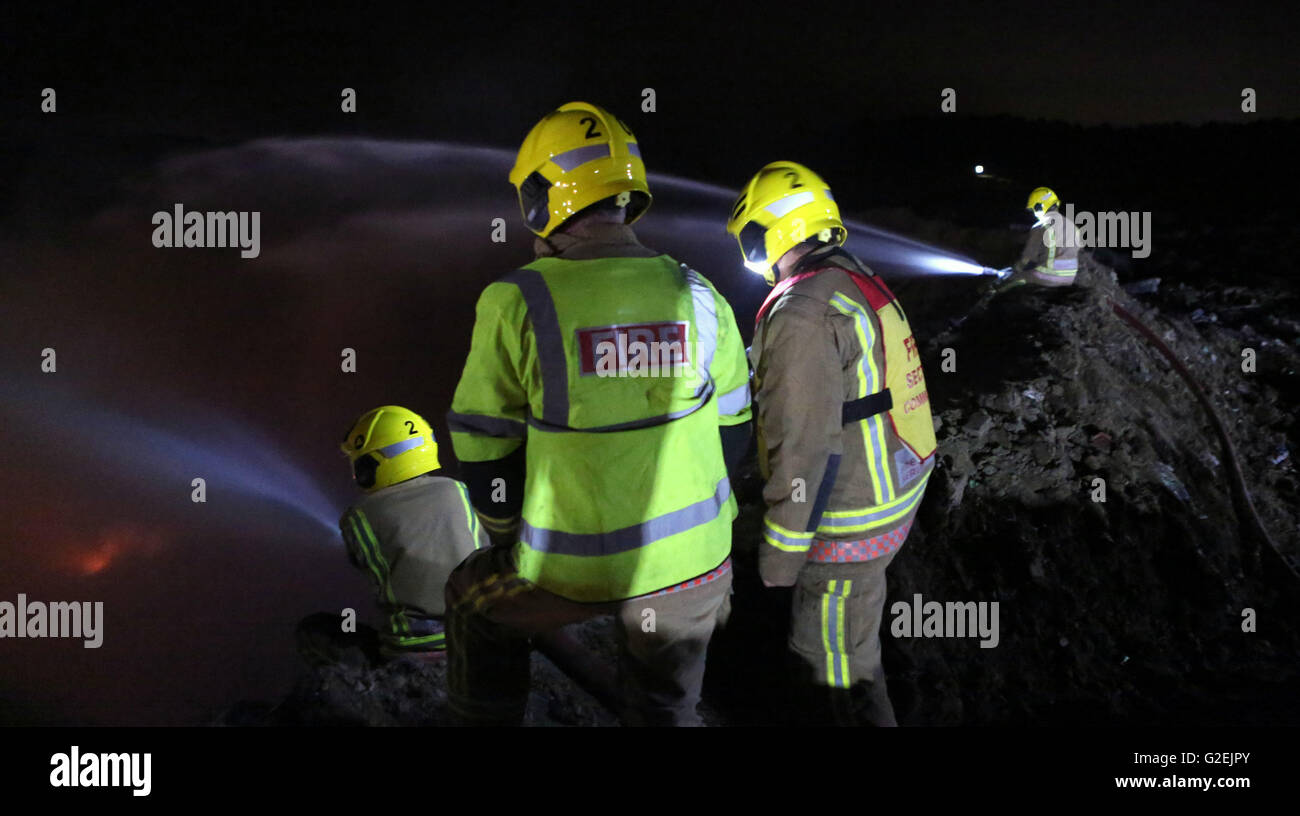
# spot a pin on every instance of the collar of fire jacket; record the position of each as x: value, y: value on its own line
x: 596, y: 239
x: 826, y: 256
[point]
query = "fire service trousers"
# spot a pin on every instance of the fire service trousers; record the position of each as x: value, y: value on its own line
x: 492, y: 613
x: 835, y: 633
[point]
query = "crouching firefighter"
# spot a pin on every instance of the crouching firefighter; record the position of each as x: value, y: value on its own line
x: 1051, y: 255
x: 846, y: 440
x: 410, y: 529
x: 603, y: 384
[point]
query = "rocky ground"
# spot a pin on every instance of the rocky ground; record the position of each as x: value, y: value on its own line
x: 1127, y: 610
x: 407, y: 693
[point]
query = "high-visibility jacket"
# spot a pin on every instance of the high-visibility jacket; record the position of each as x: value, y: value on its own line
x: 846, y: 438
x: 409, y: 537
x: 626, y: 490
x: 1051, y: 255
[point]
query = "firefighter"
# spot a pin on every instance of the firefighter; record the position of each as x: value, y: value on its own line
x: 605, y: 393
x: 412, y: 527
x: 1051, y: 255
x: 845, y: 437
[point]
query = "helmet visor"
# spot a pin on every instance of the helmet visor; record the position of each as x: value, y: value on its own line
x: 364, y: 470
x: 753, y: 243
x: 533, y: 195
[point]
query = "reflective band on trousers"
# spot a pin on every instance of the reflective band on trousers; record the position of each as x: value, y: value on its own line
x: 837, y: 660
x: 431, y: 643
x: 555, y: 365
x: 559, y: 542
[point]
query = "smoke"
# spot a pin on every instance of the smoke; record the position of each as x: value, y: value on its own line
x: 423, y: 199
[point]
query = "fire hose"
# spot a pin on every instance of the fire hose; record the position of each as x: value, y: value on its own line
x: 1245, y: 506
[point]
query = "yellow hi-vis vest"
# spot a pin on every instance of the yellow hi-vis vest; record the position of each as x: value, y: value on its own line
x: 616, y: 372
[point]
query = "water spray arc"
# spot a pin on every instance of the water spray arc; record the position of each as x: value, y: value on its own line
x: 227, y: 456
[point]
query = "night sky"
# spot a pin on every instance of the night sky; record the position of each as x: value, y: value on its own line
x: 484, y: 73
x: 172, y: 364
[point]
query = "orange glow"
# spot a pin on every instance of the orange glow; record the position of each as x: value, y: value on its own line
x: 96, y: 560
x: 113, y: 543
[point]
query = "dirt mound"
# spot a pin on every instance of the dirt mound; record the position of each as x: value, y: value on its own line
x: 350, y: 691
x: 1123, y: 610
x: 1131, y: 608
x: 1079, y: 485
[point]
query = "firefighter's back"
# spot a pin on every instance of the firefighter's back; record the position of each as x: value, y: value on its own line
x: 626, y: 488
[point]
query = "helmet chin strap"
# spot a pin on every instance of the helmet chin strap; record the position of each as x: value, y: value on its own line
x: 547, y: 240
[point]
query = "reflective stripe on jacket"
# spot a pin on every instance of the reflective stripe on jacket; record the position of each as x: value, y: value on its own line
x: 409, y: 537
x: 817, y: 347
x: 1051, y: 256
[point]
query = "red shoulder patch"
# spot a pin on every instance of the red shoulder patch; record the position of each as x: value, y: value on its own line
x: 874, y: 290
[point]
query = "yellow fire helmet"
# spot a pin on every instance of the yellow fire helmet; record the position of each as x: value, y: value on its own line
x: 577, y: 156
x: 390, y: 444
x: 1040, y: 201
x: 783, y: 205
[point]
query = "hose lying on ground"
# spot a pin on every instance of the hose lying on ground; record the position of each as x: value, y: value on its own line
x: 1245, y: 506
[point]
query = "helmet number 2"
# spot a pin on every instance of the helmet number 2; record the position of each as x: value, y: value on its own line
x: 590, y: 122
x: 794, y: 179
x: 410, y: 426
